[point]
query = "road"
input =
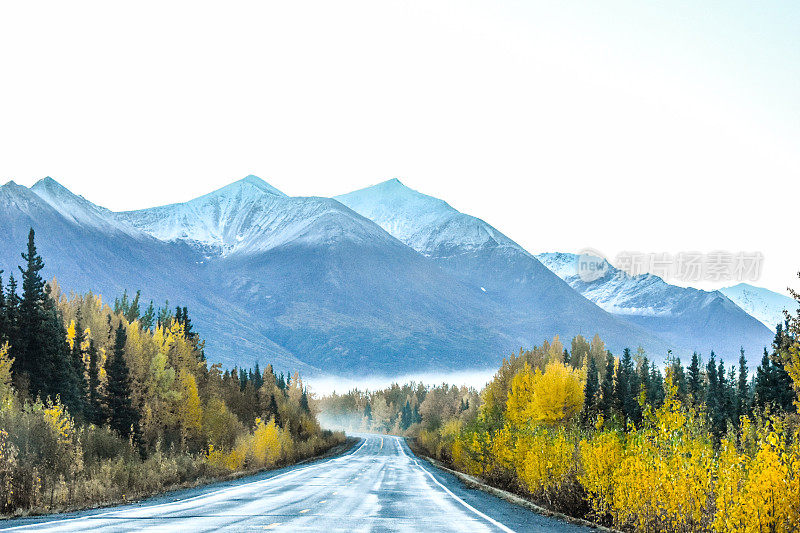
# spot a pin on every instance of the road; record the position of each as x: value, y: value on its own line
x: 378, y: 486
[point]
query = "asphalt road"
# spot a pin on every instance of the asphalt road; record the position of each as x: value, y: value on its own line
x: 378, y: 486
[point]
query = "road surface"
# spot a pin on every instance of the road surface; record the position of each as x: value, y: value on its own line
x: 378, y: 486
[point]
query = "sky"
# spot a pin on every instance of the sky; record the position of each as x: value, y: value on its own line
x: 620, y: 126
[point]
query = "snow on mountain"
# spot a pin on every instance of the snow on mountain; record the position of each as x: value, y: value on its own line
x: 765, y: 305
x: 80, y: 210
x: 250, y: 216
x: 427, y: 224
x: 536, y: 302
x: 691, y: 318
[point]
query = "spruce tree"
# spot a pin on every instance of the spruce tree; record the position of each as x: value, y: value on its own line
x: 742, y: 390
x: 657, y: 383
x: 78, y: 371
x: 694, y: 381
x: 406, y: 416
x: 132, y: 312
x: 3, y: 326
x: 95, y: 414
x: 122, y: 417
x: 148, y: 318
x: 30, y: 368
x: 590, y: 393
x: 625, y: 383
x: 606, y: 402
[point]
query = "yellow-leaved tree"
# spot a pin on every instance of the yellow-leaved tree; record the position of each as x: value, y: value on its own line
x: 557, y: 394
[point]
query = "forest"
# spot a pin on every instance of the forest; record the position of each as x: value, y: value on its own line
x: 617, y: 440
x: 106, y: 403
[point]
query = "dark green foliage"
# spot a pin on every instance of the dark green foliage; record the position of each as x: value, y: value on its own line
x: 591, y: 392
x: 406, y: 416
x: 95, y: 413
x: 148, y: 318
x: 743, y: 399
x: 625, y: 387
x: 655, y: 395
x: 122, y: 417
x: 695, y: 382
x: 606, y: 402
x: 30, y: 359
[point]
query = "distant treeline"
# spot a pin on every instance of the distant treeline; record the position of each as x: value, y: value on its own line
x: 99, y: 404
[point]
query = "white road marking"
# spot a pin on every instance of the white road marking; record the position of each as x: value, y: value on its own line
x: 456, y: 498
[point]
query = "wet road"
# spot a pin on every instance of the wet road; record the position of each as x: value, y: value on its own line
x: 378, y: 486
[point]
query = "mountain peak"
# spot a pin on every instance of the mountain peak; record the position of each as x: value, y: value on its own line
x: 259, y: 184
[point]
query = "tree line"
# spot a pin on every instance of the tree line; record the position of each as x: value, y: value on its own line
x: 97, y: 402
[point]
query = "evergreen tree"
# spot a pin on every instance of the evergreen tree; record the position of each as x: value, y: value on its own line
x: 164, y: 316
x: 625, y: 383
x: 188, y: 332
x: 3, y: 325
x: 645, y: 386
x: 304, y: 402
x: 715, y: 408
x: 30, y: 367
x: 590, y: 393
x: 694, y: 381
x: 78, y: 371
x: 606, y: 402
x: 148, y: 318
x: 742, y: 390
x: 94, y: 413
x: 656, y: 398
x: 122, y: 417
x: 406, y: 416
x: 368, y: 412
x: 132, y: 312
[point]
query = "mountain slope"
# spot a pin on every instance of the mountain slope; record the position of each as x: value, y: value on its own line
x: 329, y: 285
x: 535, y: 304
x: 692, y: 319
x: 763, y: 304
x: 88, y: 249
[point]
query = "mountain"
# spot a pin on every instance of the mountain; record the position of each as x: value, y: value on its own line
x: 691, y: 319
x: 385, y: 280
x: 88, y: 248
x: 763, y: 304
x: 534, y: 303
x: 329, y: 285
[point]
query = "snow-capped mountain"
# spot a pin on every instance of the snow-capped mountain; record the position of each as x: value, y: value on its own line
x: 535, y: 303
x: 427, y: 224
x: 765, y: 305
x: 250, y: 216
x: 86, y: 248
x: 81, y: 211
x: 692, y: 319
x: 385, y: 279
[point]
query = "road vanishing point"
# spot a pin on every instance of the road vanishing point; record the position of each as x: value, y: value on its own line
x: 379, y: 485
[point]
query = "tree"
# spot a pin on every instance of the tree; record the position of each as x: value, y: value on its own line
x: 95, y: 414
x: 406, y: 416
x: 590, y: 393
x: 77, y: 337
x: 695, y: 382
x: 28, y: 351
x: 606, y: 402
x: 742, y: 390
x: 148, y: 318
x: 625, y: 383
x: 122, y: 417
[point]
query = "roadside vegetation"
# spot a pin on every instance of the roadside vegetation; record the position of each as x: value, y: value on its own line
x: 100, y: 404
x: 618, y: 440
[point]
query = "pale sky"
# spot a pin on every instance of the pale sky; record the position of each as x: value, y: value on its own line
x: 648, y: 126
